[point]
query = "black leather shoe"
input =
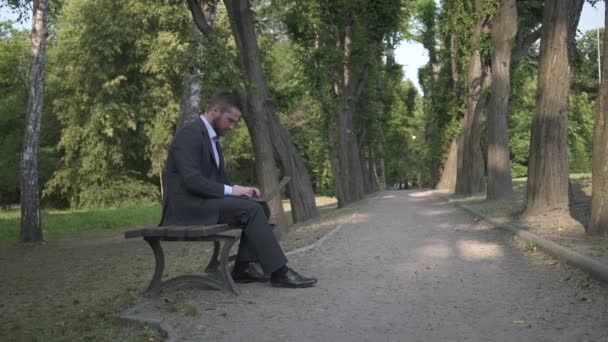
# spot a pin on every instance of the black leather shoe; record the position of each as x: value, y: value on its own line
x: 250, y: 274
x: 291, y: 279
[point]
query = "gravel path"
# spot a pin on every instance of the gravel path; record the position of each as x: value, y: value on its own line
x: 410, y: 267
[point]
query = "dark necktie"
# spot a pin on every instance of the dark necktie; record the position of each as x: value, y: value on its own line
x: 216, y: 140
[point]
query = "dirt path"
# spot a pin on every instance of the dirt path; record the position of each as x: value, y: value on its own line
x: 410, y: 267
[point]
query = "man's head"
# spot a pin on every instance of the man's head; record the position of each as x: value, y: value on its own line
x: 223, y: 112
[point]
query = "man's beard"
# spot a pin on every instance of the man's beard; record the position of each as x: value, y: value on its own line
x: 217, y: 129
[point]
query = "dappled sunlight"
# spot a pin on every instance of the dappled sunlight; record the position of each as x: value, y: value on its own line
x: 433, y: 250
x: 359, y: 218
x: 388, y: 197
x: 426, y: 193
x: 476, y: 250
x: 436, y: 212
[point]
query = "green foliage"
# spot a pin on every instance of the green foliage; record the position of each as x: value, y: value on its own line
x: 580, y: 132
x: 521, y: 110
x: 14, y: 62
x: 406, y: 151
x: 585, y: 67
x: 121, y: 73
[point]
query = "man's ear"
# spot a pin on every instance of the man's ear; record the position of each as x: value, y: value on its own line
x: 215, y: 111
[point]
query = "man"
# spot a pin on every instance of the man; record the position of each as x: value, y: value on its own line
x: 197, y: 191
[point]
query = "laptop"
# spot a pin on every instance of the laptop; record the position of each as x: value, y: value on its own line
x: 270, y: 195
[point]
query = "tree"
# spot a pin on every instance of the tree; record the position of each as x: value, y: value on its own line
x: 599, y: 198
x: 268, y: 136
x: 31, y: 229
x: 118, y: 99
x: 504, y: 30
x: 347, y: 37
x: 547, y: 187
x: 471, y: 162
x: 192, y: 86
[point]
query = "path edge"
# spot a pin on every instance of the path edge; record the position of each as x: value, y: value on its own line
x: 129, y: 316
x: 583, y: 262
x: 323, y: 238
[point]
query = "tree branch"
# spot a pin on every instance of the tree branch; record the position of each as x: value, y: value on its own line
x: 523, y: 45
x: 199, y: 17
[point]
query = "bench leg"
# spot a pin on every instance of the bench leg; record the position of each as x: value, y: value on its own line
x: 156, y: 284
x: 224, y: 269
x: 159, y: 256
x: 214, y: 263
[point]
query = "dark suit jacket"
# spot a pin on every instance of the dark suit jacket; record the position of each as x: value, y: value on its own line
x: 192, y: 180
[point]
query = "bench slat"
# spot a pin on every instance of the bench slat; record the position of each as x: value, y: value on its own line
x: 193, y: 231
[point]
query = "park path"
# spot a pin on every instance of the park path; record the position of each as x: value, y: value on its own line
x: 411, y: 267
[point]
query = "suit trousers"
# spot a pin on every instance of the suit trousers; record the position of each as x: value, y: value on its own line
x: 258, y: 242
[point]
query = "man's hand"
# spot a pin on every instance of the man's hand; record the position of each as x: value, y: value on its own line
x: 245, y: 191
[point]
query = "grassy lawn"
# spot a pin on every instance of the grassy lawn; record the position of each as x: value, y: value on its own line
x: 73, y: 287
x: 57, y: 223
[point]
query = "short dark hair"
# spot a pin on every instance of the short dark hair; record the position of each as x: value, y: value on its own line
x: 225, y: 100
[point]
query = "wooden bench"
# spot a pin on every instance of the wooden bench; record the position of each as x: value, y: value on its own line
x: 153, y: 235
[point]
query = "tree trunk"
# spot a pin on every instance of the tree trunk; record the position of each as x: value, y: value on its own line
x: 301, y: 194
x: 31, y: 226
x: 599, y: 198
x: 335, y: 164
x: 454, y: 64
x: 499, y: 164
x: 471, y: 169
x: 268, y: 135
x: 255, y: 98
x: 448, y: 174
x: 349, y: 157
x: 548, y: 161
x: 382, y: 166
x: 447, y: 178
x: 191, y: 87
x: 203, y: 16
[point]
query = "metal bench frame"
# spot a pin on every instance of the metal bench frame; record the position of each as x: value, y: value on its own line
x: 217, y: 264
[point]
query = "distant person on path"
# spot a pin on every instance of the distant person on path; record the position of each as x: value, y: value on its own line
x: 197, y: 191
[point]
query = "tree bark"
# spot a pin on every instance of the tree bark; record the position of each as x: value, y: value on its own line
x: 547, y: 187
x: 598, y: 224
x: 454, y: 64
x: 268, y: 135
x: 301, y: 194
x: 382, y: 165
x: 191, y: 86
x: 346, y: 91
x: 31, y: 225
x: 499, y: 164
x: 448, y: 174
x: 447, y: 179
x: 471, y: 169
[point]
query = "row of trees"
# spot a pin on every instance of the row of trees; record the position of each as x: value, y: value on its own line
x: 326, y: 102
x: 319, y: 82
x: 477, y: 50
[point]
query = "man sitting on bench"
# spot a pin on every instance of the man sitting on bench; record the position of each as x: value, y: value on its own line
x: 197, y: 191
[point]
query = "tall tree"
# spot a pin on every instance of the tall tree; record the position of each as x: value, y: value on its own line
x: 547, y: 187
x: 504, y: 30
x: 31, y: 229
x: 471, y: 164
x: 269, y: 137
x: 599, y: 197
x: 453, y: 10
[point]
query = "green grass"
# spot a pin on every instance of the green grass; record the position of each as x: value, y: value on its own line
x: 57, y: 223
